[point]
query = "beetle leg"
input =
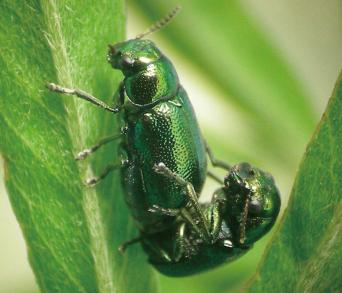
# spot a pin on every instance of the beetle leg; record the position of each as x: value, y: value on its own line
x: 200, y: 224
x: 216, y: 162
x: 184, y: 214
x: 242, y: 226
x: 119, y: 97
x: 158, y: 251
x: 124, y: 245
x: 163, y: 211
x: 161, y: 253
x: 94, y: 180
x: 214, y: 213
x: 86, y: 152
x: 180, y: 249
x: 200, y: 227
x: 215, y: 177
x: 81, y: 94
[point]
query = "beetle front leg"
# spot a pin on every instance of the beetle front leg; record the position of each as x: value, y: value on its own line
x: 82, y: 95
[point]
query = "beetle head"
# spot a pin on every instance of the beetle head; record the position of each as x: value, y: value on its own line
x: 253, y: 202
x: 133, y: 55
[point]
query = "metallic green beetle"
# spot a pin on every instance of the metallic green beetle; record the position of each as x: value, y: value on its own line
x: 161, y: 129
x: 242, y: 211
x: 160, y: 126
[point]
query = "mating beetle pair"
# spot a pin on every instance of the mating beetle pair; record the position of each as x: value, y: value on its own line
x: 163, y: 164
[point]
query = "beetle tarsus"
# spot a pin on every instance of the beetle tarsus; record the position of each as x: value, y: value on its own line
x: 83, y: 154
x: 160, y: 168
x: 90, y: 182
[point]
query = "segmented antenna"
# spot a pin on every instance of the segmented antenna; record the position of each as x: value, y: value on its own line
x: 160, y: 23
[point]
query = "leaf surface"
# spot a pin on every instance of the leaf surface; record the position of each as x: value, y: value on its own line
x: 306, y: 254
x: 72, y: 232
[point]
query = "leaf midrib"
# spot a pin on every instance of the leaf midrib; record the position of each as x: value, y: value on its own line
x: 91, y: 208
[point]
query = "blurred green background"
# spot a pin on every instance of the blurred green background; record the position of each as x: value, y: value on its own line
x: 259, y: 74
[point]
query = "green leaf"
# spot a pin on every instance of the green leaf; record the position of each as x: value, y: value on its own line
x: 306, y: 254
x: 230, y: 50
x: 72, y: 232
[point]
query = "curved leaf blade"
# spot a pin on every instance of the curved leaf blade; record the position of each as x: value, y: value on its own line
x: 305, y: 255
x: 72, y: 232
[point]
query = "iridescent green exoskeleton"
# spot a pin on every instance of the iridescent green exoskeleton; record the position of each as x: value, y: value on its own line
x: 159, y: 126
x: 242, y: 211
x: 163, y: 165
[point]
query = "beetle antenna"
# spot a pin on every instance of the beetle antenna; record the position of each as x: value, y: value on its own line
x: 160, y: 23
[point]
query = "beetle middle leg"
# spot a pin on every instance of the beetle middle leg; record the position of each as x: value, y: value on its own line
x: 86, y: 152
x: 214, y: 161
x: 215, y: 177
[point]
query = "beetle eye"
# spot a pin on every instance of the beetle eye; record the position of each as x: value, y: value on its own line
x: 254, y: 207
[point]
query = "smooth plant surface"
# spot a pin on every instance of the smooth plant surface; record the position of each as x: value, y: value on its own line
x: 306, y: 254
x: 72, y: 232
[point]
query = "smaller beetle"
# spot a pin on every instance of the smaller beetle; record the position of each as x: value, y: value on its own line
x: 242, y: 211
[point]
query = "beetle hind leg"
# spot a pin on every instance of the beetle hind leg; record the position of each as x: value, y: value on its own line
x: 94, y: 180
x: 122, y: 248
x: 196, y: 218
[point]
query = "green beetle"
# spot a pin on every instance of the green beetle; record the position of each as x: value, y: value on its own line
x: 242, y: 211
x: 160, y: 129
x: 159, y: 126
